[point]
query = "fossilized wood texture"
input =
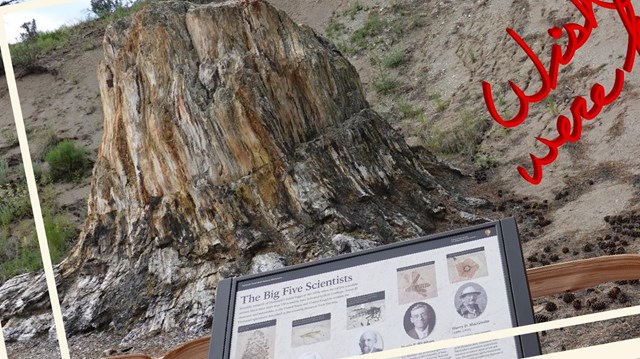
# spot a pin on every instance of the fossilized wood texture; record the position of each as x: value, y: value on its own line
x: 229, y: 131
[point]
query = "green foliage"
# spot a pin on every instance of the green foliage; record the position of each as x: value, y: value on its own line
x: 415, y: 21
x: 407, y: 110
x: 48, y: 139
x: 23, y: 257
x: 371, y: 27
x: 374, y: 24
x: 66, y: 161
x: 59, y: 232
x: 132, y: 6
x: 472, y: 56
x: 4, y: 171
x: 103, y: 8
x: 390, y: 59
x: 346, y: 49
x: 353, y: 9
x: 440, y: 105
x: 462, y: 139
x: 485, y: 161
x: 10, y: 137
x: 30, y: 31
x: 384, y: 83
x: 14, y: 205
x: 551, y: 104
x: 19, y: 250
x: 334, y: 28
x: 27, y: 54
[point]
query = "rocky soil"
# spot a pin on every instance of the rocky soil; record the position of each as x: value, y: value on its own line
x: 430, y: 93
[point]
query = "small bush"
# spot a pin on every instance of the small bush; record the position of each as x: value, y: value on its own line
x: 371, y: 27
x: 334, y: 28
x: 14, y: 205
x: 462, y: 139
x: 374, y: 24
x: 26, y: 259
x: 383, y: 83
x: 27, y: 53
x: 4, y: 172
x: 346, y: 49
x: 355, y: 8
x: 59, y: 232
x: 390, y: 59
x: 485, y: 161
x: 66, y: 161
x: 103, y: 8
x: 407, y: 110
x: 440, y: 105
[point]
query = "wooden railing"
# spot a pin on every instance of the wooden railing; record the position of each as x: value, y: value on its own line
x: 582, y: 274
x: 543, y: 281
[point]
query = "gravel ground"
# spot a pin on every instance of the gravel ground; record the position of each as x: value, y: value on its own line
x: 99, y: 345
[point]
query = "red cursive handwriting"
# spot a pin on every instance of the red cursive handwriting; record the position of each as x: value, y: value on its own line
x: 577, y: 35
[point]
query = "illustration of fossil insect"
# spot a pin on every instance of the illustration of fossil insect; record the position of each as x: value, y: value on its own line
x: 414, y: 286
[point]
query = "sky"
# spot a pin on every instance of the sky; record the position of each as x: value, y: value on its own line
x: 47, y: 18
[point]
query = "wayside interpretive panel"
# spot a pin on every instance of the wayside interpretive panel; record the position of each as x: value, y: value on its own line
x: 438, y: 287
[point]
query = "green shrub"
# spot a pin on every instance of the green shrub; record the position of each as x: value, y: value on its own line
x: 103, y: 8
x: 4, y: 171
x: 371, y: 27
x: 27, y: 53
x: 59, y: 232
x: 390, y: 59
x: 462, y: 139
x: 407, y: 110
x: 440, y: 105
x: 374, y: 24
x: 354, y: 8
x: 383, y: 83
x: 14, y: 205
x: 334, y: 28
x: 66, y: 161
x: 26, y: 259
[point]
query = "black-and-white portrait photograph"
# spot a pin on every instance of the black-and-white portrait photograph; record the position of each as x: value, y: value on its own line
x: 470, y: 300
x: 419, y: 320
x: 370, y: 341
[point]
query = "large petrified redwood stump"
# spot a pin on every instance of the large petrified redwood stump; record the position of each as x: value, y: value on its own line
x: 229, y: 132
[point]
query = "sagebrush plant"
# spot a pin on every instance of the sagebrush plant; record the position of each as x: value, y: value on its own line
x: 389, y: 59
x: 14, y: 205
x: 407, y: 110
x: 67, y: 161
x: 4, y: 171
x: 463, y: 139
x: 19, y: 250
x: 371, y: 27
x: 384, y: 83
x: 59, y: 232
x: 334, y: 28
x: 354, y: 8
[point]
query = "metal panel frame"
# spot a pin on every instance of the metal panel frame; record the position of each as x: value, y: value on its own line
x: 515, y: 279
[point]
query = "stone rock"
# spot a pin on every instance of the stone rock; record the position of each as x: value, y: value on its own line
x: 228, y: 129
x: 346, y: 244
x: 266, y: 262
